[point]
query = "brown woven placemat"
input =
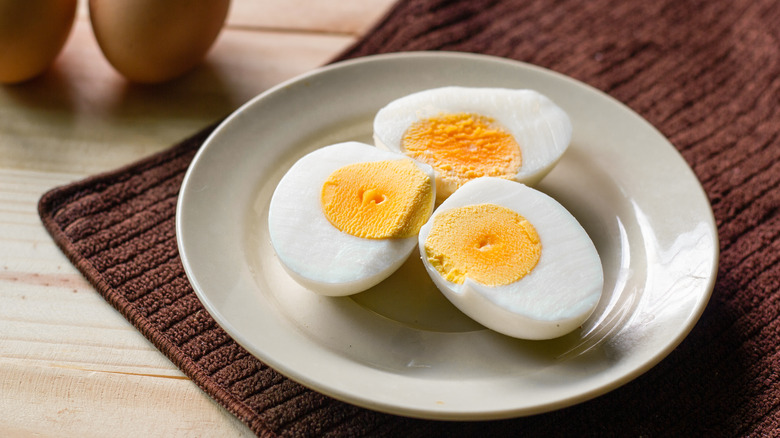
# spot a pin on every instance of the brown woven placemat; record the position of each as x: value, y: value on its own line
x: 705, y: 72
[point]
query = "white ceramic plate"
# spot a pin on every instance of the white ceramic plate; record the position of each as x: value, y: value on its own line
x: 401, y: 347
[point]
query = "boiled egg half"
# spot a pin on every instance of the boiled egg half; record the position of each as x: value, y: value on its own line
x: 513, y: 259
x: 346, y: 216
x: 466, y: 133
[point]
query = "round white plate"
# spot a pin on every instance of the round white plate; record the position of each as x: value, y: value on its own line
x: 401, y: 347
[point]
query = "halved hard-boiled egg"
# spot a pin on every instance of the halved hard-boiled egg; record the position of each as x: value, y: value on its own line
x: 513, y: 259
x: 466, y: 133
x: 346, y: 216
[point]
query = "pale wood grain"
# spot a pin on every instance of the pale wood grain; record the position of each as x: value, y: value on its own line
x: 352, y: 17
x: 82, y: 116
x: 70, y: 365
x: 83, y: 403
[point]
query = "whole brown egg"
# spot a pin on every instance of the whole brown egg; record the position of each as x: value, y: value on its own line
x: 32, y: 33
x: 156, y: 40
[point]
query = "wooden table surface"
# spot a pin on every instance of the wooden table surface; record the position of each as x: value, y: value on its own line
x: 70, y: 365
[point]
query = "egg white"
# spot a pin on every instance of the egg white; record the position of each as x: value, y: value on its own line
x: 314, y: 252
x: 541, y: 128
x: 557, y: 296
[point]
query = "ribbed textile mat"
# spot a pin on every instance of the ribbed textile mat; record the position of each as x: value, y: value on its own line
x: 705, y: 72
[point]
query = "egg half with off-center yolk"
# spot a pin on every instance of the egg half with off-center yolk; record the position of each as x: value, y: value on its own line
x: 513, y: 259
x: 466, y: 133
x: 346, y: 216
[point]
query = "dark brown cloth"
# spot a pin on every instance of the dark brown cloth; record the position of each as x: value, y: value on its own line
x: 705, y: 72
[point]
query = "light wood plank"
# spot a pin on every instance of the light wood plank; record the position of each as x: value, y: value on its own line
x: 62, y: 402
x: 84, y: 117
x: 352, y: 17
x: 71, y: 365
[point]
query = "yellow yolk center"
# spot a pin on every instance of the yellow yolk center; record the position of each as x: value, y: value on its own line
x: 488, y: 243
x: 463, y: 146
x: 378, y: 200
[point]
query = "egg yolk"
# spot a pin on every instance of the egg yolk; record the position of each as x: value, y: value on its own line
x: 463, y: 146
x: 378, y: 200
x: 488, y: 243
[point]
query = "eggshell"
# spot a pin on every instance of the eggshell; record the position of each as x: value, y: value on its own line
x: 156, y: 40
x: 32, y: 33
